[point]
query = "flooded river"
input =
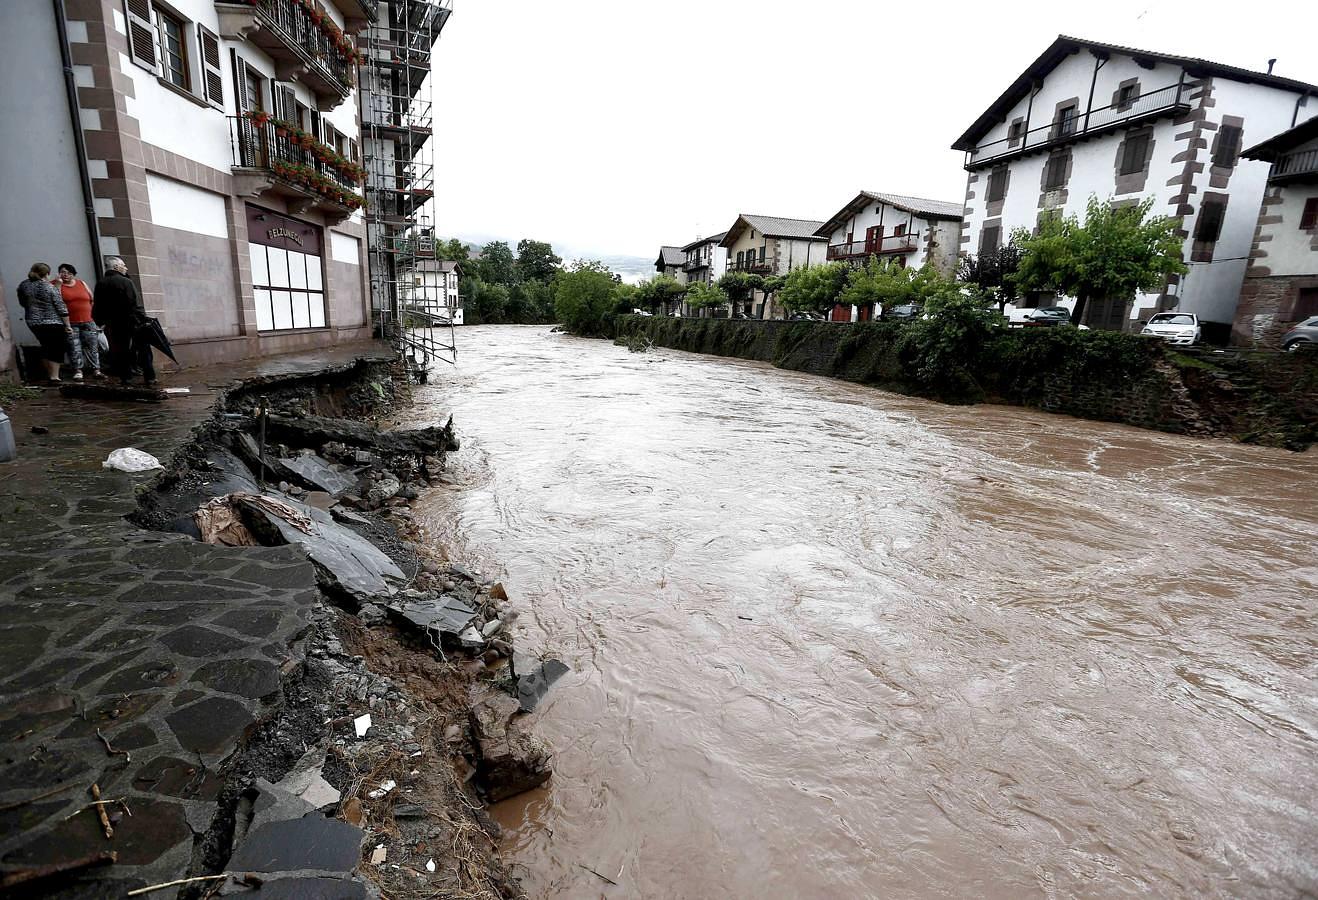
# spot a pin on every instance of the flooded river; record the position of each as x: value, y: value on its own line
x: 831, y: 642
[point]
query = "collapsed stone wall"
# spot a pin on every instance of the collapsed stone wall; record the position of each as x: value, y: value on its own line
x: 1264, y: 398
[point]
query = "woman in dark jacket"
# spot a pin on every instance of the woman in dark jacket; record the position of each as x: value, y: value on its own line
x: 47, y: 316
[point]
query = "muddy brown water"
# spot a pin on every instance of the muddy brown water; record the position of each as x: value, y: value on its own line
x: 831, y: 642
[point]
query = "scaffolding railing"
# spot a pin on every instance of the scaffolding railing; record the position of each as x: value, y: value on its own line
x: 397, y: 125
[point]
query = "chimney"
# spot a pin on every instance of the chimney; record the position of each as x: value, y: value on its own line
x: 1272, y: 62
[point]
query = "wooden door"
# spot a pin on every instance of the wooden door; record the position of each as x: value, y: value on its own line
x: 873, y: 239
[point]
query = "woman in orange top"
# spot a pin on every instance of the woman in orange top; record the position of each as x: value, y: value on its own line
x: 84, y: 346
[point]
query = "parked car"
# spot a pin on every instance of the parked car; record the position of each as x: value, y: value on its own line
x: 1050, y: 315
x: 1300, y: 334
x: 1174, y: 328
x: 802, y: 316
x: 905, y: 313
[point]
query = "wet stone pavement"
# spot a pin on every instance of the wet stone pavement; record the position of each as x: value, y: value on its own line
x: 129, y: 659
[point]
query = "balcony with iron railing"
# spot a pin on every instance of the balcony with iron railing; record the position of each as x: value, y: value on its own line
x: 754, y: 265
x: 893, y: 243
x: 304, y: 47
x: 268, y: 158
x: 1155, y: 104
x: 692, y: 265
x: 1302, y: 165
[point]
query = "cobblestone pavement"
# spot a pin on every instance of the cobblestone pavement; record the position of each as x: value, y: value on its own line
x: 129, y: 659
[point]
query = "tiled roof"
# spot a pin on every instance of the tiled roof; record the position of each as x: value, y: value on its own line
x: 712, y: 239
x: 776, y: 226
x: 1064, y: 46
x: 1276, y: 145
x: 671, y: 256
x: 938, y: 209
x: 928, y: 209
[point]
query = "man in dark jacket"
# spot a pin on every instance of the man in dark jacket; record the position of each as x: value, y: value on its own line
x: 117, y: 307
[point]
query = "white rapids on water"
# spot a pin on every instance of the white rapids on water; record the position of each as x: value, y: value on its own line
x: 832, y: 642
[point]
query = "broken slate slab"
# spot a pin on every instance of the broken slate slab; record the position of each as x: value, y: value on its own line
x: 445, y: 615
x: 312, y: 842
x: 332, y: 478
x: 352, y: 564
x: 534, y: 678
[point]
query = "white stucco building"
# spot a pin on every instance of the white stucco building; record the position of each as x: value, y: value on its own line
x: 771, y: 245
x: 910, y: 231
x: 215, y: 146
x: 706, y: 260
x: 436, y: 290
x: 1087, y: 118
x: 1281, y: 282
x: 671, y: 262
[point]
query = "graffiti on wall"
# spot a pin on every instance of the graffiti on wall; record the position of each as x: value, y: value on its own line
x: 196, y: 279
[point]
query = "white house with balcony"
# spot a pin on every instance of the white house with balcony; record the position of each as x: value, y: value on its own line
x: 1088, y: 118
x: 909, y: 231
x: 706, y: 260
x: 771, y: 245
x: 214, y: 146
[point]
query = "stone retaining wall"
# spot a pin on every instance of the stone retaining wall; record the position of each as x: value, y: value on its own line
x: 1256, y: 397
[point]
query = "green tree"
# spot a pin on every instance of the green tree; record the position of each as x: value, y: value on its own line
x: 497, y: 264
x: 994, y: 273
x: 536, y: 260
x: 704, y: 296
x: 888, y: 284
x: 945, y: 347
x: 452, y: 249
x: 1117, y: 251
x: 587, y: 297
x: 740, y: 286
x: 814, y: 288
x: 519, y: 308
x: 659, y: 291
x: 539, y: 297
x: 488, y: 302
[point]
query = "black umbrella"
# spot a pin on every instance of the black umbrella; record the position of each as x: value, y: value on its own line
x: 151, y: 332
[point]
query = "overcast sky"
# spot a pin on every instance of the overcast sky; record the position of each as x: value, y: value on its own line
x: 614, y: 126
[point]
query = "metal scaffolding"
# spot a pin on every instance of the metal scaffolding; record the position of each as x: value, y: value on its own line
x: 398, y: 152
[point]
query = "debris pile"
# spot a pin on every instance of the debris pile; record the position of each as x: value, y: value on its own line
x: 341, y: 492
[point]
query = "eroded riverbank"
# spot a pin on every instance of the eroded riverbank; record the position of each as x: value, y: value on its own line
x: 241, y: 654
x: 833, y: 642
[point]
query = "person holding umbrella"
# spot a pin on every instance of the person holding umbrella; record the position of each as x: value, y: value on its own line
x: 117, y: 307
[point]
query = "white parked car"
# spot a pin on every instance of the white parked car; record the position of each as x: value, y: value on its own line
x: 1174, y: 328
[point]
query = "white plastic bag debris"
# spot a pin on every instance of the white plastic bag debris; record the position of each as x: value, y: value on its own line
x: 430, y: 865
x: 130, y: 459
x: 362, y: 724
x: 383, y: 789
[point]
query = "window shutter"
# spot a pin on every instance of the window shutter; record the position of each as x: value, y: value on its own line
x: 1132, y: 160
x: 212, y: 76
x: 1209, y: 228
x: 239, y: 81
x: 997, y: 186
x: 1228, y: 145
x: 1309, y: 218
x: 142, y: 40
